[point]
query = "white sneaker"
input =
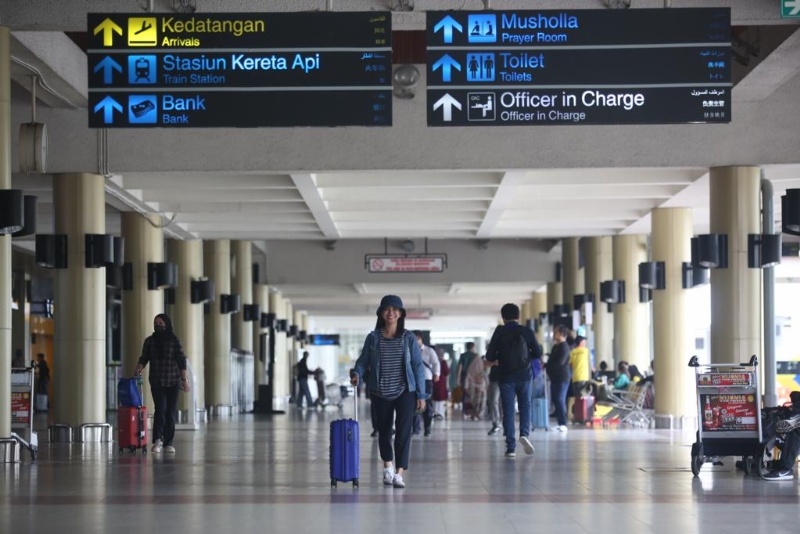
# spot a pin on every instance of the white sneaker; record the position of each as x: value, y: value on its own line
x: 527, y: 446
x: 562, y: 428
x: 157, y: 446
x: 398, y: 481
x: 170, y: 449
x: 388, y: 476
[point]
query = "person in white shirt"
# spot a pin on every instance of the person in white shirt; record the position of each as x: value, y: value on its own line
x: 430, y: 362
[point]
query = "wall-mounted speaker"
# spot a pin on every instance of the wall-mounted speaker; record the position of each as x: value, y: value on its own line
x: 251, y: 312
x: 51, y: 251
x: 161, y: 275
x: 99, y: 250
x: 29, y: 217
x: 230, y: 303
x: 201, y: 291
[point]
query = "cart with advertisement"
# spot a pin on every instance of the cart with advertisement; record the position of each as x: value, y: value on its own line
x: 22, y: 395
x: 729, y: 415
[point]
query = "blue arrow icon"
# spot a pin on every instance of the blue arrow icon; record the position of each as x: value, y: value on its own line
x: 108, y: 105
x: 108, y: 66
x: 446, y: 63
x: 448, y: 24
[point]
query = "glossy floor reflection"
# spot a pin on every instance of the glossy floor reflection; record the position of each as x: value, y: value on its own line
x: 257, y: 474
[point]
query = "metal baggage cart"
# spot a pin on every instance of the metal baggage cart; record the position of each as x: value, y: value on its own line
x: 729, y: 414
x: 22, y: 398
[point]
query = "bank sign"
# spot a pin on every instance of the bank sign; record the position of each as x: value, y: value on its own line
x: 239, y: 70
x: 637, y: 66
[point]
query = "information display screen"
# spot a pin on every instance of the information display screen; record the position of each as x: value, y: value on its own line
x: 240, y: 70
x: 637, y: 66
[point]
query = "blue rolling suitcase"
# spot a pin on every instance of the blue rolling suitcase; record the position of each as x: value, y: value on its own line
x: 539, y: 417
x: 345, y: 449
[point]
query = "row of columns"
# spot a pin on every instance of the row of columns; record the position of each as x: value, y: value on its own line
x: 79, y: 395
x: 625, y: 334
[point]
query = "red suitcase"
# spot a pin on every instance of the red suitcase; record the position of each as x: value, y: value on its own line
x: 132, y: 428
x: 583, y: 410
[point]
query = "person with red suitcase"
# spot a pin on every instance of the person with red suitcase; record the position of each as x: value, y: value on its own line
x: 583, y: 407
x: 168, y: 375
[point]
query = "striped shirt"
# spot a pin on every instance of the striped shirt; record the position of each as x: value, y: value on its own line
x: 392, y: 379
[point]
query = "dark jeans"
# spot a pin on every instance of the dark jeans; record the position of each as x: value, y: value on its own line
x: 791, y: 447
x: 399, y: 411
x: 165, y: 399
x: 521, y: 393
x: 425, y: 417
x: 304, y: 392
x: 558, y: 392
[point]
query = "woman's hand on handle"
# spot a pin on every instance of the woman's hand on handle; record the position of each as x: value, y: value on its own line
x: 354, y: 379
x: 420, y: 405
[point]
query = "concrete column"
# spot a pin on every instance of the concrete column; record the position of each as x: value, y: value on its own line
x: 5, y: 241
x: 538, y: 306
x: 144, y: 243
x: 261, y: 298
x: 736, y: 307
x: 675, y: 395
x: 242, y: 282
x: 20, y: 318
x: 524, y: 312
x: 188, y: 319
x: 631, y: 318
x: 282, y: 372
x: 80, y: 297
x: 599, y: 268
x: 572, y: 279
x: 217, y: 267
x: 555, y: 295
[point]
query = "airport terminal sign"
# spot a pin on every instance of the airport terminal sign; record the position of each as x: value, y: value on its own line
x: 522, y: 68
x: 240, y: 70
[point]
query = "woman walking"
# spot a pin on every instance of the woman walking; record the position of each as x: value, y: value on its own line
x: 392, y: 362
x: 168, y: 374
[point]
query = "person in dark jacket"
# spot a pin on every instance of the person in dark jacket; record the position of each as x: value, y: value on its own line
x: 558, y: 372
x: 168, y: 375
x: 514, y: 375
x: 303, y: 372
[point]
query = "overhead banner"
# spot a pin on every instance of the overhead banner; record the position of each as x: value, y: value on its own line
x: 240, y: 70
x: 523, y: 68
x: 428, y: 263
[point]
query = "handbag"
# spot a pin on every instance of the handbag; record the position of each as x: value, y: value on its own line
x: 128, y: 393
x: 457, y: 395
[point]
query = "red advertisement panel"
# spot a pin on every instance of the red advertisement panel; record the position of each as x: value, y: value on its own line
x: 729, y: 412
x: 20, y: 407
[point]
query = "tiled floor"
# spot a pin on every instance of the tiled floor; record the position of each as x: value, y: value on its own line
x: 255, y: 474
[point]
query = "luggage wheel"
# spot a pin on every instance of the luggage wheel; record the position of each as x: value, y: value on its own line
x: 355, y: 483
x: 333, y: 482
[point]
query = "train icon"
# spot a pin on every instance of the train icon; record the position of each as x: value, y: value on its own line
x: 142, y: 69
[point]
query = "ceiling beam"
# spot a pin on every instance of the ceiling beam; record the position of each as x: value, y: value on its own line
x: 307, y: 187
x: 502, y: 199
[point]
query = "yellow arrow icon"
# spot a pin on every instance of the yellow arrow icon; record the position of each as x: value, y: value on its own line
x: 108, y: 27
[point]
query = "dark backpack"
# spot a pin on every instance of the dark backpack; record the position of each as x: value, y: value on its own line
x: 513, y: 351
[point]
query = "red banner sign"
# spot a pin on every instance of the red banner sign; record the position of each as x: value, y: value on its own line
x: 433, y: 263
x: 725, y: 379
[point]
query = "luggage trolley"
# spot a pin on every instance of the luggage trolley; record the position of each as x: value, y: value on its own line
x: 22, y: 380
x: 728, y: 409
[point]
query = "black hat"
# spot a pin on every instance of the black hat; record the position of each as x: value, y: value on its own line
x: 391, y: 300
x: 578, y: 340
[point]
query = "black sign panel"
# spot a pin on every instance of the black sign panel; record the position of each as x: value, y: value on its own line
x: 642, y: 66
x: 240, y: 70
